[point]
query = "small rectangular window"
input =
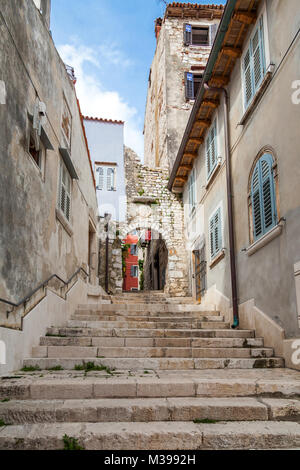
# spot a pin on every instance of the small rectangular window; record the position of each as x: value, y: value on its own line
x: 111, y: 179
x: 215, y: 233
x: 192, y: 192
x: 134, y: 271
x: 66, y: 123
x: 36, y: 149
x: 211, y: 149
x: 65, y: 187
x: 253, y: 63
x: 196, y: 35
x: 192, y: 84
x: 133, y: 250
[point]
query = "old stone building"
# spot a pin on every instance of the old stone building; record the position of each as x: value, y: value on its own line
x: 184, y: 39
x: 151, y: 206
x: 238, y: 170
x: 48, y: 212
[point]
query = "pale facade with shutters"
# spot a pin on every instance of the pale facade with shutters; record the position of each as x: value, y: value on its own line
x: 184, y: 39
x: 264, y: 117
x: 106, y: 144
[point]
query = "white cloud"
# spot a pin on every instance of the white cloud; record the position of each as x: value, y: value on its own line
x: 97, y: 101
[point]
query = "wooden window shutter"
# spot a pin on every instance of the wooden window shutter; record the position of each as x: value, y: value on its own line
x: 187, y: 34
x: 65, y: 192
x: 248, y: 88
x: 268, y: 193
x: 189, y: 86
x: 256, y: 203
x: 100, y: 172
x: 257, y: 47
x: 215, y: 233
x: 110, y: 179
x: 131, y: 271
x: 212, y: 33
x: 208, y: 158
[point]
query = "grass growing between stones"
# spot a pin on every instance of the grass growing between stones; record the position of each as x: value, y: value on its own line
x: 5, y: 400
x: 70, y: 443
x: 30, y: 368
x: 90, y: 366
x: 2, y: 423
x: 205, y: 421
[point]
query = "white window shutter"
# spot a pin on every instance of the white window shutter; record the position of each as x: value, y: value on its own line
x: 100, y: 172
x: 212, y: 33
x: 109, y: 179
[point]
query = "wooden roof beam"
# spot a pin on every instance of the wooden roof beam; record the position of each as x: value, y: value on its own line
x: 233, y: 52
x: 245, y: 17
x: 196, y: 140
x: 218, y: 81
x: 189, y: 155
x: 211, y: 103
x: 183, y: 179
x: 186, y: 167
x: 203, y: 122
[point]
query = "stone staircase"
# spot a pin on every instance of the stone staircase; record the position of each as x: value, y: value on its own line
x: 143, y: 371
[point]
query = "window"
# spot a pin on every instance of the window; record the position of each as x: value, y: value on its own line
x: 111, y: 179
x: 133, y: 250
x: 106, y: 175
x: 199, y: 35
x: 134, y: 272
x: 215, y: 233
x: 263, y: 201
x: 253, y: 64
x: 65, y: 186
x: 192, y: 84
x: 192, y: 192
x: 211, y: 149
x: 36, y: 148
x: 66, y: 123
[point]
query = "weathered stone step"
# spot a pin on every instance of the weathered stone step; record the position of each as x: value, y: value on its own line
x: 149, y: 316
x: 143, y: 307
x: 194, y: 383
x: 151, y: 409
x: 152, y: 342
x: 151, y: 325
x: 185, y: 321
x: 162, y: 363
x: 154, y: 435
x: 149, y: 333
x: 138, y: 352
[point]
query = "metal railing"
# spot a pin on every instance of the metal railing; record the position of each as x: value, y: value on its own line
x: 42, y: 285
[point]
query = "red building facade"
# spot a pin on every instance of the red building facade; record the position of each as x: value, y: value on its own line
x: 131, y: 277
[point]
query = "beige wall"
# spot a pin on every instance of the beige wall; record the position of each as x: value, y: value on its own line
x: 267, y: 276
x: 34, y: 243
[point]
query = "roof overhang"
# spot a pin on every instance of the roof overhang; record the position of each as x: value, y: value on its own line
x: 237, y: 17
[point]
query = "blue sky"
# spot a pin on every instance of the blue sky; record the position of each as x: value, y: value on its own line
x: 110, y: 43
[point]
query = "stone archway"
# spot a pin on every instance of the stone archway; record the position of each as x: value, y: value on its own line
x: 151, y: 206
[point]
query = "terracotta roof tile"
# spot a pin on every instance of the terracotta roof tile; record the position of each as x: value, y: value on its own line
x: 89, y: 118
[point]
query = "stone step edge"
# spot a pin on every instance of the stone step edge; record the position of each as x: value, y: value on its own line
x: 151, y: 409
x: 154, y: 436
x: 160, y: 363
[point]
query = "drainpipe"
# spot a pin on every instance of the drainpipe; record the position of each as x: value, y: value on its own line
x: 229, y: 205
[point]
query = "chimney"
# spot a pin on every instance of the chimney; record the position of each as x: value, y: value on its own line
x: 158, y: 23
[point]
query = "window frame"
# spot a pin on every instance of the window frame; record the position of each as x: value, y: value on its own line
x: 133, y: 253
x: 66, y: 107
x: 190, y: 94
x: 262, y: 17
x: 188, y: 34
x: 133, y: 267
x: 210, y: 172
x: 62, y: 185
x: 215, y: 252
x: 273, y: 195
x: 40, y: 166
x: 192, y: 192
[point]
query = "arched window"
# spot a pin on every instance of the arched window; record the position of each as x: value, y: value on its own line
x: 263, y: 198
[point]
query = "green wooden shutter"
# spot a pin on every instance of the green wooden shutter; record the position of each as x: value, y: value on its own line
x: 215, y: 228
x: 263, y: 197
x: 211, y: 149
x: 257, y: 48
x: 248, y: 89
